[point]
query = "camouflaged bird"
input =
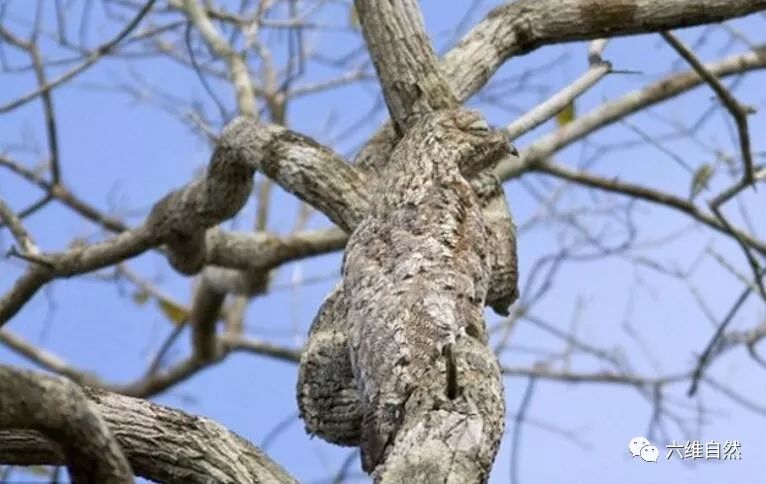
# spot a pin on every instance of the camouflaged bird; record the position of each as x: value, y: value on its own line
x: 416, y: 271
x: 328, y: 396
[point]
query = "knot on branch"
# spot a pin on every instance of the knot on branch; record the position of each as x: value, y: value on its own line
x: 181, y: 218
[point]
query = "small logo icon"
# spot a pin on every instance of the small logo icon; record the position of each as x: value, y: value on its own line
x: 636, y: 444
x: 641, y: 447
x: 650, y: 453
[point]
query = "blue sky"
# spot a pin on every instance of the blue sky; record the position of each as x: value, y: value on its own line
x: 122, y: 155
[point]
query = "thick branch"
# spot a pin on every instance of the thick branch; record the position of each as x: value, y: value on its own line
x: 404, y: 59
x: 181, y: 219
x: 161, y: 444
x: 305, y: 168
x: 522, y: 26
x: 58, y: 409
x: 451, y: 440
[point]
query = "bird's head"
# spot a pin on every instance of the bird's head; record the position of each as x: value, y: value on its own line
x: 468, y: 139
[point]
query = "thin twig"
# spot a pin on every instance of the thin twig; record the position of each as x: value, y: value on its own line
x: 712, y: 345
x: 17, y: 229
x: 544, y: 111
x: 516, y: 437
x: 92, y: 57
x: 738, y: 111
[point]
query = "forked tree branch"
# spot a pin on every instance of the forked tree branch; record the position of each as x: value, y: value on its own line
x: 519, y: 27
x: 466, y: 67
x: 424, y: 441
x: 92, y: 429
x: 404, y: 59
x: 321, y: 178
x: 58, y: 409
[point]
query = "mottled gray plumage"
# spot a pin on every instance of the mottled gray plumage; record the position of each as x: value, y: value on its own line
x: 423, y: 200
x: 328, y: 400
x: 503, y: 289
x: 417, y: 269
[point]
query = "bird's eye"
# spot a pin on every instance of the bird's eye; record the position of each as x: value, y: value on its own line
x: 479, y: 126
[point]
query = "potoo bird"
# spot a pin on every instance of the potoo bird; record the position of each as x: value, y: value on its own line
x: 417, y: 269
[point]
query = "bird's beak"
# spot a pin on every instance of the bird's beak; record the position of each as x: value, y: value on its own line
x: 514, y: 151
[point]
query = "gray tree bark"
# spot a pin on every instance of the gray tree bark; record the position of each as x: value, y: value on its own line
x: 397, y: 361
x: 426, y: 400
x: 105, y: 437
x: 415, y: 278
x: 59, y: 410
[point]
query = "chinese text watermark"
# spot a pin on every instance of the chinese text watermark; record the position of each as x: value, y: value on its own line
x: 690, y: 449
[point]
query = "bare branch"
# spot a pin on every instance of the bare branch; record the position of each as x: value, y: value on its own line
x: 238, y: 70
x: 522, y: 26
x: 412, y: 84
x: 92, y: 57
x: 713, y: 345
x: 737, y: 111
x: 626, y: 105
x: 596, y: 377
x: 544, y: 111
x: 305, y: 168
x: 181, y: 219
x: 187, y: 453
x: 9, y: 218
x: 65, y: 196
x: 47, y: 360
x: 262, y: 251
x: 648, y: 194
x: 58, y: 409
